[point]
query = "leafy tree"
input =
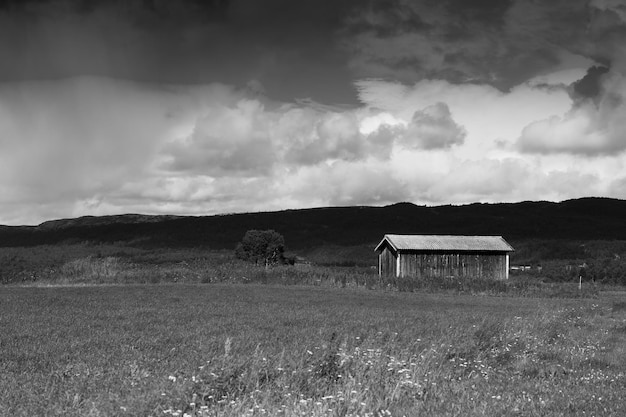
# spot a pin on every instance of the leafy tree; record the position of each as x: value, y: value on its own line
x: 261, y: 247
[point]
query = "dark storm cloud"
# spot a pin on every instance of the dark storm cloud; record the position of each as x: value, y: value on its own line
x: 410, y: 41
x: 607, y: 33
x: 290, y: 47
x: 500, y: 43
x: 301, y: 48
x: 211, y: 9
x: 590, y: 85
x: 487, y: 11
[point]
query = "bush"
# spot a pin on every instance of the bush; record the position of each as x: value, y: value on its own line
x: 262, y: 246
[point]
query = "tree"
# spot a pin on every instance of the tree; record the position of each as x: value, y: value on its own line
x: 261, y: 247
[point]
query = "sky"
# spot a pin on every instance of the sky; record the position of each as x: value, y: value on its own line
x: 201, y: 107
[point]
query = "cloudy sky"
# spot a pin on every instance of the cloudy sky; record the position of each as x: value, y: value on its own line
x: 204, y: 107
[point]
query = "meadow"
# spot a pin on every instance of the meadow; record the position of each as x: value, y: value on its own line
x: 102, y: 264
x: 231, y: 349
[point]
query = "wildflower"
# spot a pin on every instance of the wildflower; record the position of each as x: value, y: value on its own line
x: 227, y: 346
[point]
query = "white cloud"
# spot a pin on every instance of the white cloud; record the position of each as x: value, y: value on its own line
x: 491, y: 119
x: 224, y: 140
x: 432, y: 128
x: 309, y: 136
x: 590, y: 127
x: 479, y: 181
x: 98, y: 146
x: 557, y: 78
x: 348, y: 183
x: 488, y: 164
x: 62, y: 139
x: 617, y: 188
x: 81, y: 139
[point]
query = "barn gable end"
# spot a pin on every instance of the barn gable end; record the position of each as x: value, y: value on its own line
x: 438, y: 256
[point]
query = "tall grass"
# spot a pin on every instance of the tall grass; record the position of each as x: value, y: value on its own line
x: 549, y: 363
x: 101, y: 264
x: 116, y: 270
x: 237, y: 350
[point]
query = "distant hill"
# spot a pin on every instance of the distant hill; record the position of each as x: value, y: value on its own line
x: 582, y: 219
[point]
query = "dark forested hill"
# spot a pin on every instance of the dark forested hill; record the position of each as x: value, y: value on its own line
x: 587, y: 218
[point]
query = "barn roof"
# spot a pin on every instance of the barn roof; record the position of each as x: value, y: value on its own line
x: 446, y: 243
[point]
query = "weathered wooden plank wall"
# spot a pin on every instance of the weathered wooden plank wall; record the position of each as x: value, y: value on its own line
x: 445, y: 265
x: 387, y: 262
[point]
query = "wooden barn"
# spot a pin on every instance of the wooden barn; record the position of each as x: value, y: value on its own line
x: 438, y: 256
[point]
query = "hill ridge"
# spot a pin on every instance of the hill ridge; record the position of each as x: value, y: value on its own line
x: 585, y: 218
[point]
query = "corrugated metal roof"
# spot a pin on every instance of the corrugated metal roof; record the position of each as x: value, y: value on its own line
x: 447, y: 243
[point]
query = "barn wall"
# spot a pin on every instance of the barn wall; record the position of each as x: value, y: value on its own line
x: 387, y: 262
x: 444, y: 265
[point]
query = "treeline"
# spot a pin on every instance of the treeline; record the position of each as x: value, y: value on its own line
x: 537, y: 251
x: 604, y: 270
x: 307, y: 229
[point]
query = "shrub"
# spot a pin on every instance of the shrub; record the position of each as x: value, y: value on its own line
x: 262, y: 246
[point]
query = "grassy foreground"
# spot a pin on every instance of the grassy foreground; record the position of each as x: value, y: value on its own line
x: 231, y: 350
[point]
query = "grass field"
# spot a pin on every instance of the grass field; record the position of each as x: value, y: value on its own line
x: 231, y: 349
